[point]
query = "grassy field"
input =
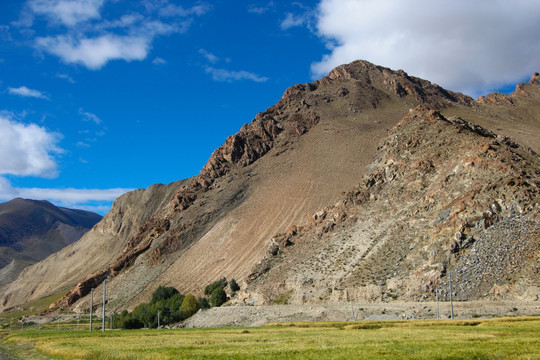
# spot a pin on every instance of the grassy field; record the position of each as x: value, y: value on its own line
x: 512, y: 338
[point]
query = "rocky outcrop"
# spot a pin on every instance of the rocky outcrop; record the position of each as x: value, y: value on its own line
x: 495, y: 98
x: 462, y: 199
x: 399, y: 83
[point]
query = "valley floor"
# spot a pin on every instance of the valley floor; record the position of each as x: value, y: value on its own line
x: 502, y: 338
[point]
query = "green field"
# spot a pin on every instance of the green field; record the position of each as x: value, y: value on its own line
x: 511, y: 338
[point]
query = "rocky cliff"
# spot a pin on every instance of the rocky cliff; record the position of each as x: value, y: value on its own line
x: 293, y: 160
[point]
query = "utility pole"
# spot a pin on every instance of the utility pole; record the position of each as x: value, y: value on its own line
x: 158, y: 319
x: 91, y: 306
x: 104, y: 300
x: 437, y: 295
x: 451, y: 295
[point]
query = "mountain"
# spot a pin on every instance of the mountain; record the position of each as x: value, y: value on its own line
x: 31, y: 230
x: 263, y: 209
x: 443, y: 195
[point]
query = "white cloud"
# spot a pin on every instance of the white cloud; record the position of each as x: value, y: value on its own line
x: 125, y: 21
x: 26, y: 92
x: 96, y: 200
x: 82, y: 144
x: 292, y: 20
x: 92, y: 41
x: 70, y: 195
x: 229, y: 76
x: 66, y: 77
x: 468, y: 46
x: 88, y: 116
x: 171, y: 10
x: 67, y: 12
x: 159, y: 61
x: 7, y: 192
x: 94, y: 53
x: 209, y: 56
x: 27, y: 149
x: 305, y: 17
x: 254, y: 9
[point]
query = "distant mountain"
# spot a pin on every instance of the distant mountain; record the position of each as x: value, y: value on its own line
x: 369, y: 184
x: 31, y: 230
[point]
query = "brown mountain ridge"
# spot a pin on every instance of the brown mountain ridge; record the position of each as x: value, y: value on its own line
x: 449, y: 179
x: 31, y: 230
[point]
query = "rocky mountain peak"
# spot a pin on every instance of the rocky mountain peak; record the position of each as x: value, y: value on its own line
x: 535, y: 79
x: 396, y: 82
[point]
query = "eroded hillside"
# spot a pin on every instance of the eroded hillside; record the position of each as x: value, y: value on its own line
x: 443, y: 195
x: 291, y: 161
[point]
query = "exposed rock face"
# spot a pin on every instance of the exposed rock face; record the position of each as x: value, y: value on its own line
x: 399, y: 83
x: 461, y: 199
x: 495, y: 98
x: 294, y: 159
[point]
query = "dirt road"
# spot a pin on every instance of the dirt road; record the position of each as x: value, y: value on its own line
x: 260, y: 315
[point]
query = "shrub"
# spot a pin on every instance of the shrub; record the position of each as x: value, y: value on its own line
x: 209, y: 289
x: 218, y: 297
x: 202, y: 303
x: 145, y: 313
x: 131, y: 323
x: 233, y: 285
x: 163, y: 293
x: 189, y: 305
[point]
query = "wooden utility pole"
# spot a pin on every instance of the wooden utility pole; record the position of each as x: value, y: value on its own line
x: 104, y: 300
x: 437, y: 295
x: 451, y: 295
x: 91, y: 306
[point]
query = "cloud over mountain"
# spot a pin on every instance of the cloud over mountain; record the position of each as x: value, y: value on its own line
x: 467, y: 46
x: 32, y: 150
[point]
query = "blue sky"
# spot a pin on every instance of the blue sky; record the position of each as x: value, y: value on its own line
x: 101, y: 96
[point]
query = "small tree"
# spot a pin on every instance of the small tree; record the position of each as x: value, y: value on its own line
x: 233, y: 285
x: 209, y: 289
x: 218, y: 297
x: 189, y: 305
x: 202, y: 303
x: 163, y: 293
x: 144, y: 313
x: 130, y: 322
